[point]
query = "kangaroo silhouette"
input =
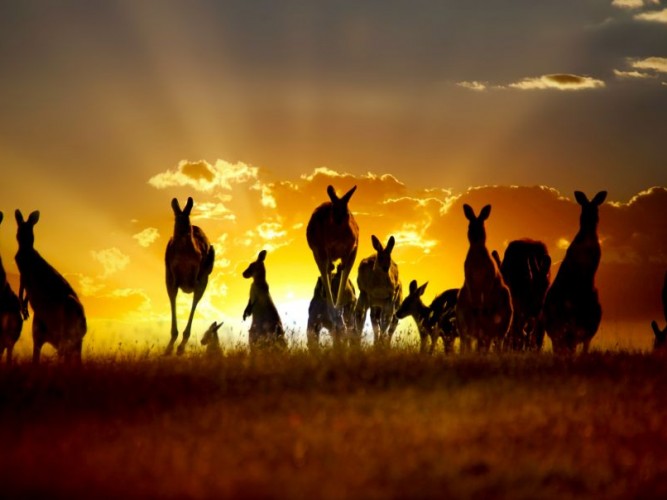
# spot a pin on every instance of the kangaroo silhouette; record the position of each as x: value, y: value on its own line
x: 572, y: 310
x: 484, y: 304
x: 189, y: 261
x: 59, y: 318
x: 433, y: 321
x: 211, y: 341
x: 660, y: 340
x: 380, y: 290
x: 333, y: 234
x: 11, y: 321
x: 266, y: 328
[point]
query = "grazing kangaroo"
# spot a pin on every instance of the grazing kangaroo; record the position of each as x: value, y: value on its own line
x: 380, y: 291
x: 188, y: 263
x: 660, y: 341
x: 525, y: 270
x: 484, y: 304
x: 59, y: 318
x: 11, y: 321
x: 211, y: 340
x: 436, y: 320
x: 333, y: 234
x: 266, y: 328
x: 572, y: 310
x: 318, y: 311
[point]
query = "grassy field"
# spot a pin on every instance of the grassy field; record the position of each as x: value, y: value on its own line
x: 365, y: 424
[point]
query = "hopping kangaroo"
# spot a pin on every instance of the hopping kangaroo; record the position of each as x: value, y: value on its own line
x: 660, y: 341
x: 572, y: 310
x: 188, y: 262
x: 11, y: 321
x: 59, y: 318
x: 333, y: 234
x: 266, y: 328
x: 211, y: 340
x: 436, y: 320
x: 318, y: 311
x: 484, y: 305
x: 380, y: 291
x: 525, y: 269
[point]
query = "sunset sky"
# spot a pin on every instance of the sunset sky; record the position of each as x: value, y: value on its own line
x: 108, y: 111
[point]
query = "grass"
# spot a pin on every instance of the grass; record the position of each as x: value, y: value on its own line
x: 365, y: 424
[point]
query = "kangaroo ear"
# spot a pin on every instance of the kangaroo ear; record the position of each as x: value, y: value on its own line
x: 496, y: 257
x: 422, y: 288
x: 581, y: 198
x: 19, y: 216
x: 413, y: 286
x: 175, y: 206
x: 599, y: 198
x: 217, y: 327
x: 376, y: 243
x: 261, y: 256
x: 332, y: 194
x: 188, y: 206
x: 346, y: 197
x: 656, y: 330
x: 1, y: 216
x: 484, y: 214
x: 33, y: 218
x: 390, y: 244
x: 469, y: 212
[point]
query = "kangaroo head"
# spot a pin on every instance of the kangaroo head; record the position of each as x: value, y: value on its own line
x: 413, y: 301
x: 182, y: 217
x: 339, y: 205
x: 476, y: 231
x: 589, y: 209
x: 25, y: 234
x: 660, y: 340
x: 383, y: 259
x: 256, y: 270
x: 211, y: 335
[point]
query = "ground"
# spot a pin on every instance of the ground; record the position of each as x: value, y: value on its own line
x: 364, y: 424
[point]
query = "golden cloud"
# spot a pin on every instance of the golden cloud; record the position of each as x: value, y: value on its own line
x: 112, y: 260
x: 473, y: 85
x: 558, y: 81
x: 658, y: 64
x: 633, y: 4
x: 631, y: 74
x: 202, y: 176
x: 147, y: 237
x: 655, y: 16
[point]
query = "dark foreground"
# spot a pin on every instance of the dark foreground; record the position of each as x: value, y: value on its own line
x: 365, y: 425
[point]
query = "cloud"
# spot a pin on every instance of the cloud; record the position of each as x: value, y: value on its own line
x: 631, y: 74
x: 473, y: 85
x: 633, y: 4
x: 658, y: 64
x: 558, y: 81
x: 147, y: 236
x: 202, y: 176
x: 112, y: 260
x: 655, y: 16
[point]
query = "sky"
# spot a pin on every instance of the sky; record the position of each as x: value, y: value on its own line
x: 109, y: 110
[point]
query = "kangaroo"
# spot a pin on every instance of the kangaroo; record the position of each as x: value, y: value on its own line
x: 266, y: 328
x: 211, y: 341
x: 484, y: 304
x: 11, y: 321
x: 59, y: 318
x: 660, y: 341
x: 188, y: 263
x: 525, y: 269
x: 318, y: 311
x: 333, y: 234
x: 433, y: 321
x: 572, y: 310
x: 380, y: 291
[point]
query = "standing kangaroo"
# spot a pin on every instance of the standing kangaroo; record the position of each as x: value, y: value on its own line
x: 380, y: 291
x: 11, y: 321
x: 572, y: 310
x: 333, y: 234
x: 188, y: 262
x: 660, y: 341
x: 266, y: 328
x: 59, y: 318
x: 433, y: 321
x: 484, y: 305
